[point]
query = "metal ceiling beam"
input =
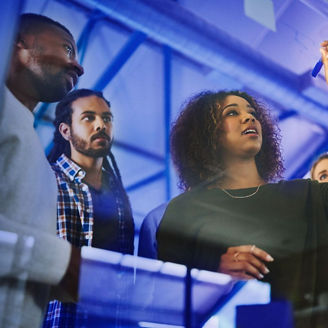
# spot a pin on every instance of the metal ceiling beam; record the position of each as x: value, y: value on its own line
x: 136, y: 39
x: 84, y: 38
x: 139, y: 151
x: 149, y: 179
x: 168, y: 23
x: 167, y: 54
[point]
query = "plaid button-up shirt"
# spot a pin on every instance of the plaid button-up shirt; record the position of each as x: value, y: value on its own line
x: 75, y: 224
x: 74, y: 204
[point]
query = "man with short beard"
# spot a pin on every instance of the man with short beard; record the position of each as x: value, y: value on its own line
x: 93, y: 207
x: 43, y: 67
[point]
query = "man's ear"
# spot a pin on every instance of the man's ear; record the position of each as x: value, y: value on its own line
x: 20, y: 42
x: 26, y: 40
x: 65, y: 131
x: 22, y: 51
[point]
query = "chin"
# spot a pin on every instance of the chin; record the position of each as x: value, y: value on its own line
x: 55, y: 90
x: 255, y: 148
x: 54, y: 96
x: 96, y: 153
x: 252, y: 152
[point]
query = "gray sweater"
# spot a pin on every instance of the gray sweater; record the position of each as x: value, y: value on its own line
x: 32, y: 257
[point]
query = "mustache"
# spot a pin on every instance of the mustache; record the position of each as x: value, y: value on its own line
x: 100, y: 134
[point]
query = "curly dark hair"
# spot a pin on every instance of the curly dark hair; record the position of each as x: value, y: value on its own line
x: 195, y: 136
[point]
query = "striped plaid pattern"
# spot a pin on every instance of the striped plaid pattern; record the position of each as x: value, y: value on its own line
x: 75, y: 224
x: 61, y: 315
x: 74, y: 203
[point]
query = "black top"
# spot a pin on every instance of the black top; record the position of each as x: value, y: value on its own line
x: 286, y: 219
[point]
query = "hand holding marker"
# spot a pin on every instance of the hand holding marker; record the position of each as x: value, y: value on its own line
x: 317, y: 68
x: 323, y: 61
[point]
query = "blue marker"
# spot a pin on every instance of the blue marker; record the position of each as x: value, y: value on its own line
x: 317, y: 68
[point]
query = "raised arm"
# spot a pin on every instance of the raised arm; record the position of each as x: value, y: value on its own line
x: 324, y: 57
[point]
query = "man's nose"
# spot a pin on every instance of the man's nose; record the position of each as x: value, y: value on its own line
x: 78, y: 68
x: 100, y: 124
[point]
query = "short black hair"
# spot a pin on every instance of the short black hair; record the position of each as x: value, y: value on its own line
x: 33, y: 23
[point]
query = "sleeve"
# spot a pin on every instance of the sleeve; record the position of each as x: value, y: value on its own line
x: 324, y: 194
x: 183, y: 237
x: 29, y: 247
x: 147, y: 236
x: 23, y: 250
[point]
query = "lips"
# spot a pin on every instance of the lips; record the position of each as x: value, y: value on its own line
x: 100, y: 136
x: 250, y: 130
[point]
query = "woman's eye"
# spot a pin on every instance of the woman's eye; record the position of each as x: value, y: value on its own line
x: 255, y: 114
x: 323, y: 177
x: 231, y: 113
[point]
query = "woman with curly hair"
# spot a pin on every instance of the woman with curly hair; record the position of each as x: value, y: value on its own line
x: 225, y: 148
x: 196, y: 139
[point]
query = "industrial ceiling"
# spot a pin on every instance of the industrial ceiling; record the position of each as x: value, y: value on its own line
x: 149, y: 56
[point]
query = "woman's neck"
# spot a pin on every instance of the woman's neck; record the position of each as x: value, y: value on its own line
x: 241, y: 174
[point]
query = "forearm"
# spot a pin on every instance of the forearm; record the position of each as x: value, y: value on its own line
x: 324, y: 57
x: 41, y: 255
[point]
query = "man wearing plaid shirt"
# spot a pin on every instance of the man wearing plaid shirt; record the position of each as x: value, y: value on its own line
x: 93, y: 208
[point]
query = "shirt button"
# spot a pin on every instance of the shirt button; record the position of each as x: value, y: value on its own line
x: 309, y: 297
x: 88, y: 236
x: 84, y: 188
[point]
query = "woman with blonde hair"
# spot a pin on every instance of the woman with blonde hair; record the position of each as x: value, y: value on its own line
x: 319, y: 170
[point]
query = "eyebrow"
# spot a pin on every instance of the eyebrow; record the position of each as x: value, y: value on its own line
x: 88, y: 112
x: 94, y: 113
x: 235, y: 105
x: 323, y: 171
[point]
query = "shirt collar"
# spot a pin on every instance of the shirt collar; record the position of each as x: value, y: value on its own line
x: 70, y: 168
